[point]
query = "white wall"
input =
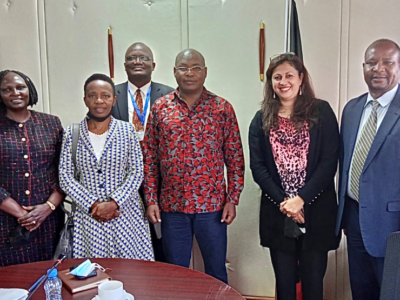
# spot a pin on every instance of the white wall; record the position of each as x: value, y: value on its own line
x: 78, y: 46
x: 19, y: 40
x: 60, y: 43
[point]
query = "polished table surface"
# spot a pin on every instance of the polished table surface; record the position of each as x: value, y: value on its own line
x: 143, y: 279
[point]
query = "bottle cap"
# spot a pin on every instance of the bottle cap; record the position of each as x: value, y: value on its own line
x: 53, y: 273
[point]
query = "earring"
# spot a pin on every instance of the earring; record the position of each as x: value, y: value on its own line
x: 274, y: 95
x: 301, y: 93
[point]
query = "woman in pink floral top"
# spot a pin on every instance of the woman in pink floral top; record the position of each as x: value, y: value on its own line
x: 294, y: 145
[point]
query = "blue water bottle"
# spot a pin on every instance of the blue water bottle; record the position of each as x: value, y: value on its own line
x: 52, y: 286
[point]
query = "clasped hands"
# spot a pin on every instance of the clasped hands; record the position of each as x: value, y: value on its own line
x: 293, y: 209
x: 34, y: 216
x: 105, y: 211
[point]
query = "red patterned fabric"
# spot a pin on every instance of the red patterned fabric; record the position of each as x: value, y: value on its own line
x: 135, y: 118
x: 29, y: 154
x: 190, y: 148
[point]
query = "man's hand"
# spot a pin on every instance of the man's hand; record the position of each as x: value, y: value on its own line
x: 229, y: 213
x: 153, y: 213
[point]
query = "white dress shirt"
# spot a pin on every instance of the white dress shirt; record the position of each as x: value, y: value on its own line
x: 384, y: 103
x: 143, y: 91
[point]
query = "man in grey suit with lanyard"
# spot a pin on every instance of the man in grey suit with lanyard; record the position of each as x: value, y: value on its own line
x: 134, y: 99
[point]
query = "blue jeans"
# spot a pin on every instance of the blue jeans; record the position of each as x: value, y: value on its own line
x: 211, y: 235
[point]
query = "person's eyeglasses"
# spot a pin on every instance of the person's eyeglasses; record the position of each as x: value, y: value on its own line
x: 141, y: 58
x: 290, y: 54
x: 195, y: 69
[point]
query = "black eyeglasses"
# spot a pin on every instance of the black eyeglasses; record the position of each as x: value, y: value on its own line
x: 135, y: 58
x: 282, y: 54
x: 195, y: 69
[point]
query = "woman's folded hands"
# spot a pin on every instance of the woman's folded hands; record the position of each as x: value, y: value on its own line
x: 293, y: 208
x: 105, y: 211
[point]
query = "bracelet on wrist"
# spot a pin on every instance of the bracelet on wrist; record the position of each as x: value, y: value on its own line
x: 52, y: 206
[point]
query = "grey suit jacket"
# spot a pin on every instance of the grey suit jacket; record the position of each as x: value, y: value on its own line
x: 120, y: 110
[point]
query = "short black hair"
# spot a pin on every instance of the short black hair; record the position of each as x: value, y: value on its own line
x: 98, y: 76
x: 33, y: 95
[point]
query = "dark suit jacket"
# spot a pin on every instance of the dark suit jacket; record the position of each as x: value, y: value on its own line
x: 318, y: 192
x: 120, y: 110
x: 380, y: 178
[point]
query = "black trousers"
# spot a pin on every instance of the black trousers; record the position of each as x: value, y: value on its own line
x: 157, y: 243
x: 312, y: 266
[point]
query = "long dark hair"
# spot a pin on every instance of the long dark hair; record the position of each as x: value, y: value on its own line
x: 303, y: 106
x: 33, y: 95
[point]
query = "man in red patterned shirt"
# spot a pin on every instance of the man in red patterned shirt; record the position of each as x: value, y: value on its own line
x: 190, y: 136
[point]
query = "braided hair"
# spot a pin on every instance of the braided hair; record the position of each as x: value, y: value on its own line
x: 33, y: 95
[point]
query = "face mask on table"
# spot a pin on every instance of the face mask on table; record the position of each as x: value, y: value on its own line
x: 85, y: 268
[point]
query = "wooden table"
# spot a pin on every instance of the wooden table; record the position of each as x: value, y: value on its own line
x: 143, y: 279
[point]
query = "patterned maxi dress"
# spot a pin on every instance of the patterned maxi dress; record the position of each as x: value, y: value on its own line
x: 117, y: 175
x: 29, y: 154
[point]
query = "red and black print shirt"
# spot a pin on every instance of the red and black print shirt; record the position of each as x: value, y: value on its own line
x: 189, y: 149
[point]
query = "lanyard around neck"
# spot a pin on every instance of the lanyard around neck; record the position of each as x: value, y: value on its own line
x: 142, y: 117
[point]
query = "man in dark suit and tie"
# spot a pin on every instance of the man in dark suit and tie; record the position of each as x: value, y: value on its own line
x: 134, y: 99
x: 369, y: 188
x: 139, y: 65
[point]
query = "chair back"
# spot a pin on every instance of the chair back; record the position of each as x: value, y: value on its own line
x: 390, y: 289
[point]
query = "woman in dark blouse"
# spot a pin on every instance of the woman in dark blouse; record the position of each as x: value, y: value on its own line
x: 294, y: 142
x: 30, y: 145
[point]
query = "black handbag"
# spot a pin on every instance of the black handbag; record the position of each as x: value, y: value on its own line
x: 291, y: 229
x: 20, y: 236
x: 65, y: 244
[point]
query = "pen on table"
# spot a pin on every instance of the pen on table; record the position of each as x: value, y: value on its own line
x: 36, y: 283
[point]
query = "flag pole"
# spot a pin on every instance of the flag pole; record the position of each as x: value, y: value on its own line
x: 110, y: 53
x: 287, y: 25
x: 262, y: 50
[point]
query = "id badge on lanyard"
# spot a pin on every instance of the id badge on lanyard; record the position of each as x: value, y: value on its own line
x: 142, y: 117
x: 140, y: 135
